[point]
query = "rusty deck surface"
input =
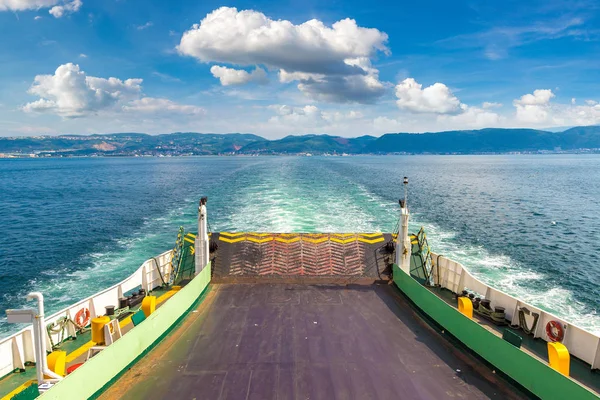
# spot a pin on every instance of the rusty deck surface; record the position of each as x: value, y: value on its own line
x: 288, y: 255
x: 289, y: 341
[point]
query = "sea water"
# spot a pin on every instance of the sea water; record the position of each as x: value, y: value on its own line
x: 528, y: 225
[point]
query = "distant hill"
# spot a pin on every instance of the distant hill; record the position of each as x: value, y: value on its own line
x: 317, y: 144
x: 178, y: 143
x: 493, y: 140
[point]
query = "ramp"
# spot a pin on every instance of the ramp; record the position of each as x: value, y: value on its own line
x: 289, y: 255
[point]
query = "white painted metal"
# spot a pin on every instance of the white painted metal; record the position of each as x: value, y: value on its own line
x: 403, y: 242
x: 201, y: 242
x: 19, y: 348
x: 582, y: 344
x: 39, y: 336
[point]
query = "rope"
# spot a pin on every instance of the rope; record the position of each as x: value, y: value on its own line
x: 523, y: 322
x: 59, y: 327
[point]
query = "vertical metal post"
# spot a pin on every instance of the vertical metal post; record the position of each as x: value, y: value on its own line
x: 201, y: 242
x: 403, y: 240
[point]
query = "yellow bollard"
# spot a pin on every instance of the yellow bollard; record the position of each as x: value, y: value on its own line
x: 559, y: 358
x: 57, y: 362
x: 148, y: 305
x: 98, y: 329
x: 465, y: 306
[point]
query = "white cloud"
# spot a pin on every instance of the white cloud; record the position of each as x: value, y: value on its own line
x: 82, y: 55
x: 332, y: 63
x: 471, y: 117
x: 65, y: 9
x: 359, y: 88
x: 435, y: 99
x: 387, y: 125
x: 150, y: 105
x: 231, y: 76
x: 21, y: 5
x: 286, y: 77
x: 145, y: 26
x: 37, y: 17
x: 487, y: 105
x: 591, y: 102
x: 534, y: 108
x: 71, y: 93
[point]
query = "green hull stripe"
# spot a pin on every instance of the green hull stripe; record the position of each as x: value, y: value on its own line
x: 98, y: 373
x: 535, y: 376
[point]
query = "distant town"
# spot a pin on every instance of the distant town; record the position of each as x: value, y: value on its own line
x: 485, y: 141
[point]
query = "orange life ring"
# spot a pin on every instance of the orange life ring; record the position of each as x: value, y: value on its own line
x: 82, y: 318
x: 555, y: 331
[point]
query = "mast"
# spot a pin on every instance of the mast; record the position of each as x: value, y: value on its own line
x: 201, y: 242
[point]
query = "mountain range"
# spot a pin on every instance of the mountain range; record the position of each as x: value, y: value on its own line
x: 491, y: 140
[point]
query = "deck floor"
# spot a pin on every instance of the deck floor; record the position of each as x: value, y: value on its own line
x: 281, y: 341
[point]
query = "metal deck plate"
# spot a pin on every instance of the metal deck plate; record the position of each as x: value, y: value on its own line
x: 286, y: 341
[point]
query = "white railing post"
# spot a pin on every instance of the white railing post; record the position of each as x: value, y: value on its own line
x: 201, y: 242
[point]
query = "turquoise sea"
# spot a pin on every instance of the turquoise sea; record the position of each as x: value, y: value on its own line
x: 529, y: 225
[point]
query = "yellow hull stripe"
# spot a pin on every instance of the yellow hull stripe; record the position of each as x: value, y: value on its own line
x: 191, y: 235
x: 189, y: 240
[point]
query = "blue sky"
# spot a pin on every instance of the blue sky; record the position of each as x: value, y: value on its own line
x: 277, y: 68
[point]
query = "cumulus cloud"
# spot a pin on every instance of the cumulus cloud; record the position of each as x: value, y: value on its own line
x: 21, y: 5
x: 331, y: 63
x: 471, y: 117
x: 71, y: 93
x: 358, y: 88
x: 150, y: 105
x: 534, y: 107
x: 231, y: 76
x: 439, y: 100
x: 310, y: 116
x: 487, y: 105
x: 435, y: 99
x: 66, y: 8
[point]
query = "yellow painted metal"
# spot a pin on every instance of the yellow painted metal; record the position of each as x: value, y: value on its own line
x: 98, y: 329
x: 263, y: 240
x: 57, y: 362
x: 559, y: 358
x: 343, y: 241
x: 465, y: 306
x: 19, y: 390
x: 149, y: 305
x: 85, y: 347
x: 239, y: 239
x: 290, y: 240
x: 371, y: 241
x: 316, y: 240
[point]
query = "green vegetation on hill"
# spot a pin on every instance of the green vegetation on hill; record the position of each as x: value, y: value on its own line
x: 491, y: 140
x: 317, y: 144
